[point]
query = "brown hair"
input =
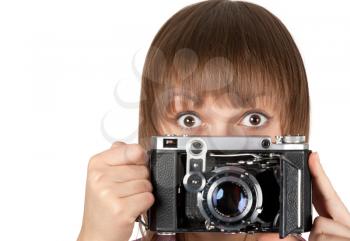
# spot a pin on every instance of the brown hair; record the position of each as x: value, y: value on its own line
x: 222, y: 46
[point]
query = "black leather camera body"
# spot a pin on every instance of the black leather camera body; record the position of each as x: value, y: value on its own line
x: 230, y: 184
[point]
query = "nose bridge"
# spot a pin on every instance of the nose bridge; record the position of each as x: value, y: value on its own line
x: 220, y: 121
x: 224, y: 128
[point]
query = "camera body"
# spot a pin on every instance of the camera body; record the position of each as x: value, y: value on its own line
x: 230, y: 184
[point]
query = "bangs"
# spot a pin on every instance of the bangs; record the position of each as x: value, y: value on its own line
x: 234, y: 82
x: 244, y: 85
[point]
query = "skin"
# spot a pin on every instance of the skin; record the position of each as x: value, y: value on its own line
x: 118, y: 187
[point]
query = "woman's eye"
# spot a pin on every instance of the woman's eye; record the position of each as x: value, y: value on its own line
x: 188, y: 121
x: 254, y: 120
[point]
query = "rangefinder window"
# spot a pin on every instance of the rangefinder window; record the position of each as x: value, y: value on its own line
x: 169, y: 143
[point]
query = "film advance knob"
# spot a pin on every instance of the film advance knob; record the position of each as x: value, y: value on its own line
x: 294, y: 139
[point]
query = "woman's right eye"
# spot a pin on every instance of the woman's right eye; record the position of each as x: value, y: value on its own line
x: 188, y: 120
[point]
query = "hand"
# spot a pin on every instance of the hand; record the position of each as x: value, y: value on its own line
x: 333, y: 224
x: 117, y: 192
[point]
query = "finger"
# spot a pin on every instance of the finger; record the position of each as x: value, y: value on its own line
x: 117, y: 144
x: 141, y: 202
x: 127, y: 154
x: 325, y: 225
x: 327, y: 237
x: 325, y: 198
x: 126, y: 173
x: 126, y: 189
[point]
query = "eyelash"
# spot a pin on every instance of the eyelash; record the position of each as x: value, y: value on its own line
x: 259, y: 112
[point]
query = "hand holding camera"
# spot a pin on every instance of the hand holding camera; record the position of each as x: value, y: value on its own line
x: 117, y: 192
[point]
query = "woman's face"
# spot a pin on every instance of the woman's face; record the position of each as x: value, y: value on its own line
x: 217, y: 117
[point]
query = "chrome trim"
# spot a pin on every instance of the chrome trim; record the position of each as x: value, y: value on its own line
x: 293, y: 139
x: 236, y: 155
x: 188, y: 187
x: 190, y: 155
x: 166, y: 233
x: 226, y: 143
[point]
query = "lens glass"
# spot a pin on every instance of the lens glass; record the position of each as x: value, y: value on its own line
x: 196, y: 147
x: 229, y: 199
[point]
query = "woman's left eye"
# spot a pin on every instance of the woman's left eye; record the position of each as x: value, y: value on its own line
x: 254, y: 119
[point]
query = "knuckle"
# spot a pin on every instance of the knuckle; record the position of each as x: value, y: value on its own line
x: 117, y: 209
x: 95, y: 176
x: 93, y: 162
x: 319, y: 225
x: 121, y: 216
x: 137, y: 148
x: 117, y: 143
x: 104, y: 193
x: 318, y: 222
x: 137, y: 151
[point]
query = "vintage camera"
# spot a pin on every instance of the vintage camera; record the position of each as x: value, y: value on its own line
x: 230, y: 184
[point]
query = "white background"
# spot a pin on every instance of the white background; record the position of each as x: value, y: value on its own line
x: 60, y: 63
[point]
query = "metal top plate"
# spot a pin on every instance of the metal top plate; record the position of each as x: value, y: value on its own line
x: 227, y: 143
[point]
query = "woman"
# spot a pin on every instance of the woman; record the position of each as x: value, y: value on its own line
x: 214, y: 68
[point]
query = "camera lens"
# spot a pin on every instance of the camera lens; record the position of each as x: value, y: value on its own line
x: 229, y: 199
x: 196, y: 147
